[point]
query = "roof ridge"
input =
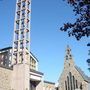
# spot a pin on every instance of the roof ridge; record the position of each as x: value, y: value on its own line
x: 85, y: 77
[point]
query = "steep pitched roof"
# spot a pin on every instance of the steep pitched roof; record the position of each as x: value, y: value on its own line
x: 85, y: 77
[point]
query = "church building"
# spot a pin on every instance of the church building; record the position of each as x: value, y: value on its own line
x: 72, y: 77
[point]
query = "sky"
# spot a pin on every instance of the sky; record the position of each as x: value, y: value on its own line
x: 48, y: 43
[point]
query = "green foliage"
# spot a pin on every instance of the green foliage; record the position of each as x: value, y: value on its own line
x: 81, y: 27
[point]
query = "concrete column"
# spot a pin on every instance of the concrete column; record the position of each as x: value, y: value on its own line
x: 20, y: 80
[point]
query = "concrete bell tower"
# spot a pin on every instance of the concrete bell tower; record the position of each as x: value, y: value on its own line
x: 21, y: 46
x: 21, y: 40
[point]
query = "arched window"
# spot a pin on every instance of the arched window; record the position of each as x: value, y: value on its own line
x: 65, y: 85
x: 81, y: 86
x: 73, y: 82
x: 76, y: 84
x: 70, y: 75
x: 68, y: 83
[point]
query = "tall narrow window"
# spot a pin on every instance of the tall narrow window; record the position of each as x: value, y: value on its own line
x: 70, y: 75
x: 81, y: 86
x: 65, y: 85
x: 76, y: 84
x: 68, y: 83
x: 73, y: 82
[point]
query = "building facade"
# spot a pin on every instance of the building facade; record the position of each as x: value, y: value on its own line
x: 6, y: 58
x: 36, y: 78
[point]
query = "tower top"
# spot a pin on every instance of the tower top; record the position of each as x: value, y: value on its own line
x: 68, y: 53
x: 68, y: 58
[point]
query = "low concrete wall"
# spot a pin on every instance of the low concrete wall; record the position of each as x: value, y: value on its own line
x: 89, y: 86
x: 5, y: 78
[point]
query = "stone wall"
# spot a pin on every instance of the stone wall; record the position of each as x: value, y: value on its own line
x: 5, y: 78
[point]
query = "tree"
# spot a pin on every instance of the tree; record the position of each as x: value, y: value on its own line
x: 81, y: 27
